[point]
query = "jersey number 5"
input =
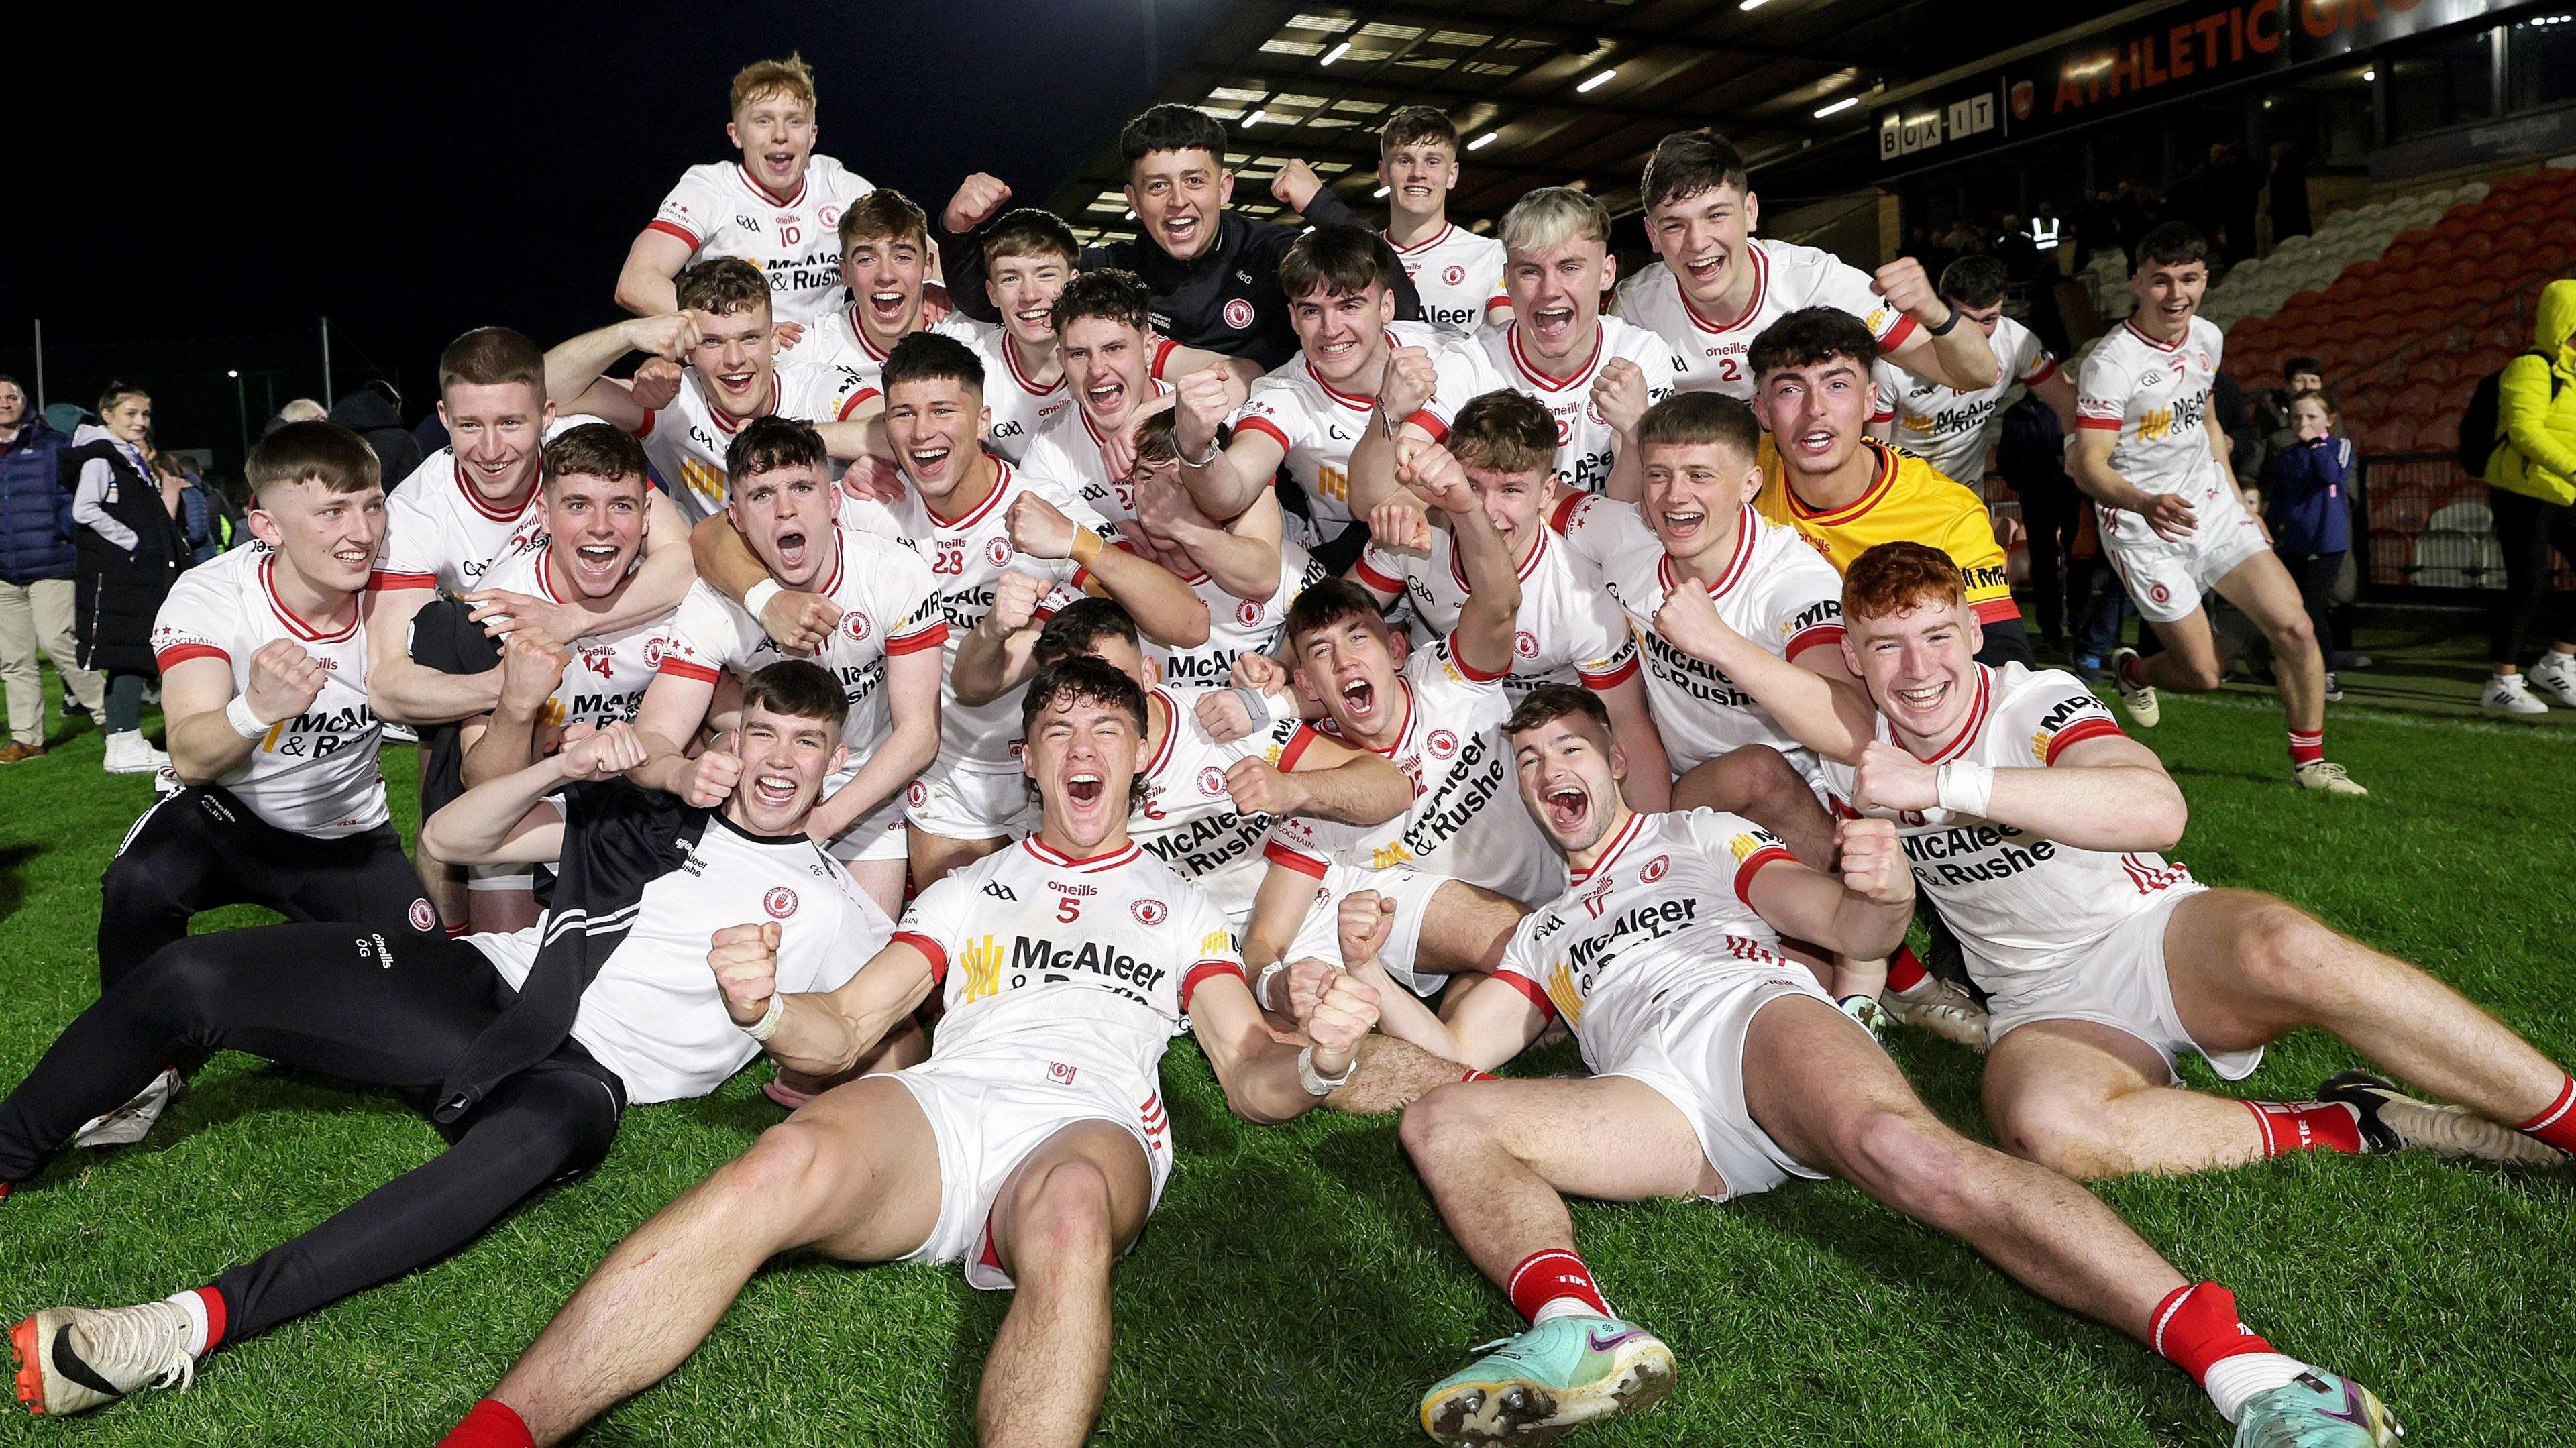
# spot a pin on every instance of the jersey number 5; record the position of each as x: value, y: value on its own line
x: 1067, y: 909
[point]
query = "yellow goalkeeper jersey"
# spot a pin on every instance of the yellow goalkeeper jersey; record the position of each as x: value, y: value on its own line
x: 1907, y: 501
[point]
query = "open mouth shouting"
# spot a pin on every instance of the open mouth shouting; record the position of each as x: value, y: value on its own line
x: 1553, y: 325
x: 1707, y: 272
x: 886, y: 309
x: 1181, y: 232
x: 1569, y: 808
x: 1083, y: 787
x: 1922, y: 702
x: 792, y: 554
x: 1359, y: 700
x: 737, y: 388
x: 1105, y: 397
x: 597, y: 563
x: 1683, y: 522
x: 774, y: 787
x: 780, y: 164
x: 928, y: 460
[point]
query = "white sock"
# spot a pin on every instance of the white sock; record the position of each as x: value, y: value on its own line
x: 193, y: 1305
x: 2235, y: 1381
x: 2556, y: 657
x: 1556, y: 1307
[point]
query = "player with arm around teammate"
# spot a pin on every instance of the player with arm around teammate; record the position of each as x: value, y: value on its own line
x: 1720, y: 1070
x: 1032, y: 1145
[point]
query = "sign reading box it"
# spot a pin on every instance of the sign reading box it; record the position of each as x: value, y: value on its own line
x: 1903, y: 134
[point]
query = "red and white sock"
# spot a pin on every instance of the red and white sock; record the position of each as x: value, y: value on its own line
x: 2557, y: 1125
x: 1553, y: 1284
x: 206, y: 1314
x: 492, y: 1424
x: 2306, y: 1126
x: 2133, y: 671
x: 1905, y: 970
x: 2197, y: 1329
x: 1475, y: 1075
x: 2307, y: 746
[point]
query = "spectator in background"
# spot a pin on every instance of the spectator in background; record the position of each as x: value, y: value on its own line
x: 2289, y: 200
x: 2030, y: 454
x: 2307, y: 510
x: 2272, y: 405
x: 37, y: 564
x: 374, y: 412
x: 132, y: 547
x: 203, y: 517
x: 2531, y: 486
x: 301, y: 409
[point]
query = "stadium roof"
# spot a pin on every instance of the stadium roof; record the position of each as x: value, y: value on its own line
x: 1524, y: 80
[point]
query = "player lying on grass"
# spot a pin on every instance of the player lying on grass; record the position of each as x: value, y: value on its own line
x: 1030, y: 1147
x: 1721, y: 1070
x: 524, y: 1049
x: 2033, y: 823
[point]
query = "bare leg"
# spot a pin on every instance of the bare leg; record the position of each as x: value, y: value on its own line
x: 855, y: 1174
x: 1058, y: 1226
x: 1463, y: 935
x: 1761, y: 784
x: 2190, y: 662
x: 1832, y: 1099
x: 881, y: 881
x: 2263, y: 590
x: 1392, y: 1075
x: 2090, y: 1101
x: 933, y: 856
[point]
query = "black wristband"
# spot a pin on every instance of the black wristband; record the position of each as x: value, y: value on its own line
x: 1947, y: 323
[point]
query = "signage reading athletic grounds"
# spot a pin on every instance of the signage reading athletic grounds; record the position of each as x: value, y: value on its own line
x: 2179, y: 51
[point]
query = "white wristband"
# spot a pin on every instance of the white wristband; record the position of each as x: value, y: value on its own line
x: 1317, y: 1084
x: 1283, y: 705
x: 1967, y: 787
x: 756, y: 598
x: 245, y: 723
x: 767, y: 1025
x: 1261, y: 985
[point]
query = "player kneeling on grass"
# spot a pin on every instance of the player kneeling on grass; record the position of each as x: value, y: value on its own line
x: 524, y: 1048
x: 2031, y: 821
x: 1030, y: 1147
x: 1721, y: 1070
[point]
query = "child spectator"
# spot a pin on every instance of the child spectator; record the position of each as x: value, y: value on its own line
x: 2307, y: 509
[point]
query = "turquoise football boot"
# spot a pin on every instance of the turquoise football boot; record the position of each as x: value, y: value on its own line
x: 2316, y: 1409
x: 1535, y: 1388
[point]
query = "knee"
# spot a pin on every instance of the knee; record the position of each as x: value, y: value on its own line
x: 2283, y: 955
x: 2293, y: 633
x: 1908, y: 1160
x: 1437, y: 1123
x: 1063, y: 1217
x: 2199, y: 675
x: 574, y: 1118
x: 780, y: 1172
x: 2065, y: 1137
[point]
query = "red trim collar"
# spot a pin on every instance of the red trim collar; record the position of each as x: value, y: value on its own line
x: 287, y: 616
x: 1527, y: 567
x: 1627, y: 834
x: 2172, y: 346
x: 1538, y: 378
x: 1968, y: 731
x: 752, y: 183
x: 1352, y: 401
x: 1088, y: 864
x: 1001, y: 484
x: 1435, y: 239
x: 1736, y: 566
x: 1761, y: 287
x: 474, y: 500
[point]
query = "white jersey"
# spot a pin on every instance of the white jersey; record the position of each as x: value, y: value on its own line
x: 1065, y: 454
x: 1087, y: 965
x: 1458, y: 274
x: 604, y: 681
x: 686, y: 441
x: 1318, y: 424
x: 1568, y: 631
x: 1785, y: 278
x: 796, y: 242
x: 314, y: 772
x: 1188, y: 820
x: 2020, y: 904
x: 440, y: 533
x: 1666, y: 904
x: 2157, y: 397
x: 1237, y: 626
x: 1776, y: 591
x: 853, y: 368
x: 1585, y: 442
x: 1466, y: 821
x: 1950, y: 429
x: 887, y: 607
x: 1020, y: 408
x: 966, y: 556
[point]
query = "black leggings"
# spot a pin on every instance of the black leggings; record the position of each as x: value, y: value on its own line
x: 348, y: 1003
x: 2050, y: 521
x: 2529, y: 530
x: 2316, y: 574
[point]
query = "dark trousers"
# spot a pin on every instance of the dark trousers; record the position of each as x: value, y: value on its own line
x: 201, y: 849
x: 2530, y: 529
x: 347, y: 1002
x: 2050, y: 521
x: 2316, y: 574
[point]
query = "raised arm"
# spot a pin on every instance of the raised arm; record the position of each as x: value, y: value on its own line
x: 1260, y: 1073
x: 1488, y: 622
x: 502, y: 821
x: 532, y: 667
x: 666, y: 724
x: 1165, y: 609
x: 1324, y: 780
x: 996, y: 656
x: 644, y: 283
x: 1863, y: 914
x: 912, y: 705
x: 1392, y: 436
x: 818, y: 1033
x: 1242, y: 556
x: 2107, y: 792
x: 1827, y: 714
x: 572, y: 366
x: 404, y: 691
x: 197, y: 695
x: 1488, y: 1024
x: 1224, y: 483
x: 1649, y: 785
x: 1960, y: 356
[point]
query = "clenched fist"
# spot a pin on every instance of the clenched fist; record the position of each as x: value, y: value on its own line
x: 655, y: 385
x: 1909, y: 289
x: 708, y: 780
x: 1200, y: 404
x: 1436, y: 476
x: 1889, y: 778
x: 1689, y: 621
x: 798, y: 622
x: 1367, y: 918
x: 979, y: 199
x: 532, y: 667
x: 745, y: 960
x: 1040, y: 529
x: 1259, y: 788
x: 1411, y: 383
x: 1016, y: 597
x: 1619, y: 394
x: 1397, y: 525
x: 1873, y: 862
x: 590, y: 755
x: 283, y: 681
x: 1347, y: 1012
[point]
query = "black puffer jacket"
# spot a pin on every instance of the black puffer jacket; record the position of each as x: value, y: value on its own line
x: 120, y: 591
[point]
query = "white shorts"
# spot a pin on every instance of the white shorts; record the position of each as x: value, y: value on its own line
x: 876, y: 835
x: 2118, y: 981
x: 955, y: 803
x: 987, y: 1120
x: 2167, y: 576
x: 501, y: 877
x: 1319, y: 935
x: 1691, y: 1051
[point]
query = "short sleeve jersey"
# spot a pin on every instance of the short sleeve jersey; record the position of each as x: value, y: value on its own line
x: 887, y: 607
x: 2156, y: 397
x: 687, y: 440
x: 966, y: 556
x: 1785, y: 278
x: 1065, y: 454
x: 1188, y: 819
x: 796, y: 242
x: 1775, y: 591
x: 1459, y: 275
x: 440, y: 533
x: 1318, y: 424
x: 1568, y: 630
x: 1905, y: 500
x: 1237, y: 626
x: 315, y: 771
x: 1666, y: 903
x: 605, y: 679
x: 1585, y: 442
x: 1948, y: 428
x: 1020, y: 408
x: 1076, y: 971
x: 2020, y: 904
x: 1466, y: 820
x: 853, y: 368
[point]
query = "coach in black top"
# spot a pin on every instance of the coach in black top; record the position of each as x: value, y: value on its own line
x: 524, y: 1049
x: 1214, y: 274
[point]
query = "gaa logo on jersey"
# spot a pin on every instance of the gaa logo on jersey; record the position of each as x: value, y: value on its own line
x: 2159, y: 593
x: 1238, y: 314
x: 831, y: 216
x: 1246, y: 612
x: 856, y: 626
x: 1150, y: 912
x: 653, y: 653
x: 918, y: 795
x: 1442, y: 743
x: 1655, y: 868
x: 1592, y: 409
x: 999, y: 550
x: 1454, y: 276
x: 780, y: 902
x: 423, y: 919
x: 1211, y: 781
x: 1525, y: 644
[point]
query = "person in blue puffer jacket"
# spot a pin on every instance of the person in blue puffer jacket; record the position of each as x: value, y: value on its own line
x: 37, y: 561
x: 2307, y: 505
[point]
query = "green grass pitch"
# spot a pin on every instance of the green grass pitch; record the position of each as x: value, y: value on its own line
x: 1296, y: 1287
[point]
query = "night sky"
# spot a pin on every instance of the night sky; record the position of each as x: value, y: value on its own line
x: 211, y: 180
